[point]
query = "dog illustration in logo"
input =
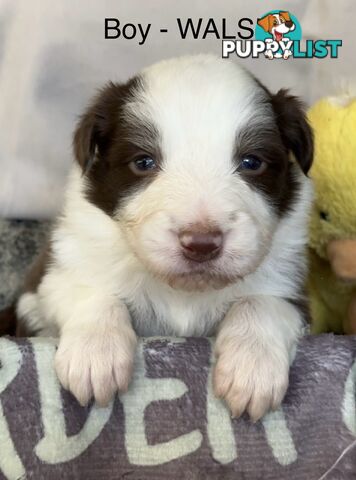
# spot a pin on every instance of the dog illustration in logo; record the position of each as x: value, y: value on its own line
x: 277, y: 24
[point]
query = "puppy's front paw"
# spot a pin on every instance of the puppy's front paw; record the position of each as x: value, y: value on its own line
x: 92, y: 364
x: 249, y: 379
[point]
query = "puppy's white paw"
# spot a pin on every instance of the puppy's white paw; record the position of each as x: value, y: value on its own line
x: 96, y: 364
x: 250, y: 379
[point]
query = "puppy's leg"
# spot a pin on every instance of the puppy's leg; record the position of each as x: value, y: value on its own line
x: 96, y: 349
x: 268, y: 52
x: 255, y: 345
x: 30, y: 321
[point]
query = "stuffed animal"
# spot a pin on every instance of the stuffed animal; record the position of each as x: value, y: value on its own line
x: 332, y: 281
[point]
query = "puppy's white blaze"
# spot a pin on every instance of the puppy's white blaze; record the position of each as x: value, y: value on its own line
x: 217, y: 102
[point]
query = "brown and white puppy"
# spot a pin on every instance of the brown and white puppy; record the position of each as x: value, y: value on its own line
x: 277, y: 24
x: 185, y: 214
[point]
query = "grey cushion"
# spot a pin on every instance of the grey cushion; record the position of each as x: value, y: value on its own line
x: 170, y: 426
x: 19, y: 243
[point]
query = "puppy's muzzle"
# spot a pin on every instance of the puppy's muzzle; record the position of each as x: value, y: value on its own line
x: 201, y: 246
x: 289, y: 23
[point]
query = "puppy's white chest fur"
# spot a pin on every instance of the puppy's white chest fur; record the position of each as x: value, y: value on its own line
x: 159, y: 311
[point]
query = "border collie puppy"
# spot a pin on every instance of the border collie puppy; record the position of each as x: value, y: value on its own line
x: 185, y: 214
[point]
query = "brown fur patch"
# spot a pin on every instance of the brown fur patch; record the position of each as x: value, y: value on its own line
x: 284, y: 132
x: 105, y: 142
x: 8, y: 321
x: 294, y: 128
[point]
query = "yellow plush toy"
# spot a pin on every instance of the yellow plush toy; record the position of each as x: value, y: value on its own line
x: 332, y: 282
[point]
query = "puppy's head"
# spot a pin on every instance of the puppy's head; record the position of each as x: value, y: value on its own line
x: 198, y: 163
x: 277, y: 24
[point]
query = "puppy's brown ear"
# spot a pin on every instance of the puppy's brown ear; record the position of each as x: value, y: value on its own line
x: 295, y: 130
x: 265, y: 22
x: 95, y: 127
x: 285, y: 16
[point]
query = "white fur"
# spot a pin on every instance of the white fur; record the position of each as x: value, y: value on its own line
x: 254, y: 348
x: 103, y: 265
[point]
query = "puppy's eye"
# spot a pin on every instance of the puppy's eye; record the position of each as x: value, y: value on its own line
x: 324, y: 216
x: 252, y: 165
x: 143, y: 165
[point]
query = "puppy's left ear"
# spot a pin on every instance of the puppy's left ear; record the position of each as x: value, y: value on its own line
x: 285, y: 16
x: 294, y: 128
x: 95, y: 127
x: 265, y: 22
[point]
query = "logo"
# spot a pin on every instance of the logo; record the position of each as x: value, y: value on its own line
x: 278, y: 30
x: 278, y: 35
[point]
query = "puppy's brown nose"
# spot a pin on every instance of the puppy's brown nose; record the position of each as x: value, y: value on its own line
x: 201, y: 246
